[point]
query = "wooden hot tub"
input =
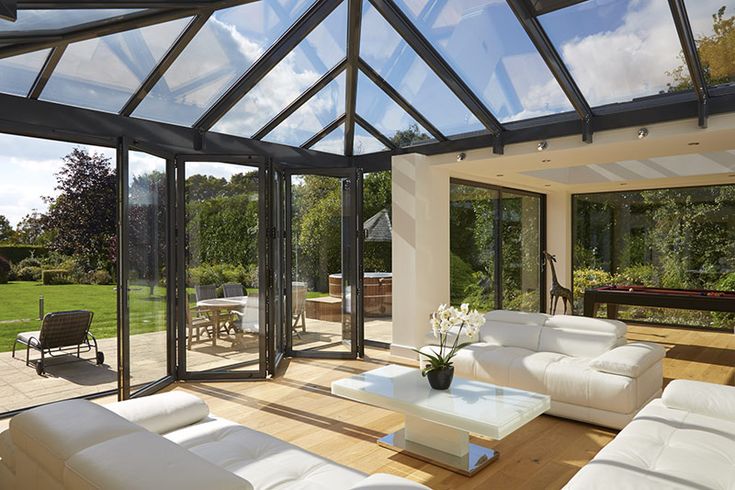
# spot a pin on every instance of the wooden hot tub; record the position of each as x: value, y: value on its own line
x: 378, y: 292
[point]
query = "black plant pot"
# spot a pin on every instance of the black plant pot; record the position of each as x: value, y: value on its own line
x: 441, y: 379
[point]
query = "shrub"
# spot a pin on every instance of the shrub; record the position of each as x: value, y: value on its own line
x: 4, y: 271
x: 29, y: 262
x: 637, y: 275
x: 15, y: 253
x: 101, y: 277
x: 27, y: 273
x: 588, y: 278
x: 219, y: 274
x: 51, y: 277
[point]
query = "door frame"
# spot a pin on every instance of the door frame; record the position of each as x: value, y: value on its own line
x: 354, y: 240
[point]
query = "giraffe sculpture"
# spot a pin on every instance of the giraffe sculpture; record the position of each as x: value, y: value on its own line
x: 557, y: 290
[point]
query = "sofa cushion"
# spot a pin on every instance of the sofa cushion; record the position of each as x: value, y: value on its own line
x: 615, y: 327
x: 143, y: 461
x: 163, y: 412
x: 487, y: 362
x: 39, y: 433
x: 664, y: 448
x: 511, y: 334
x: 7, y: 450
x: 576, y: 343
x: 630, y: 360
x: 383, y: 481
x: 703, y: 398
x: 519, y: 317
x: 263, y: 460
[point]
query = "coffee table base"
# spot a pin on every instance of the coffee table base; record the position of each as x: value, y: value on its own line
x: 476, y: 459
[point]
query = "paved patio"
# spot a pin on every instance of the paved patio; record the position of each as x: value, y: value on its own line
x: 66, y: 377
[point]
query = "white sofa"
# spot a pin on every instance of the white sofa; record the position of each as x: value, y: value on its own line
x: 162, y: 441
x: 585, y: 365
x: 685, y: 440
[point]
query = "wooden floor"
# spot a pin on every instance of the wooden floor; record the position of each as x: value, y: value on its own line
x: 297, y: 406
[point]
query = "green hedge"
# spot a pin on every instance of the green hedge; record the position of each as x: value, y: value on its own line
x: 52, y: 277
x: 16, y: 253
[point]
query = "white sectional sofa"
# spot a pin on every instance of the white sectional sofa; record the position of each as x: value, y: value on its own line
x: 685, y: 440
x: 585, y: 365
x: 167, y: 441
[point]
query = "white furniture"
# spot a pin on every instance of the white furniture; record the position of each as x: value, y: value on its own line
x: 585, y: 365
x: 685, y: 440
x: 167, y: 441
x: 438, y: 423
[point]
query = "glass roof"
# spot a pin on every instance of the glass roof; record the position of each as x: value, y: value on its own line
x: 220, y: 53
x: 712, y: 25
x: 127, y: 57
x: 42, y: 20
x: 19, y: 72
x: 615, y: 51
x: 322, y: 49
x: 486, y: 45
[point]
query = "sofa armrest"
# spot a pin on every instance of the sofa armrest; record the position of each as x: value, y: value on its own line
x: 164, y: 412
x: 629, y: 360
x: 702, y: 398
x: 383, y: 481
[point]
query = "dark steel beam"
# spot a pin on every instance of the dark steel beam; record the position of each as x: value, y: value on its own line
x: 374, y: 131
x: 8, y: 10
x: 556, y: 65
x: 324, y: 132
x: 689, y: 47
x: 114, y: 4
x: 541, y: 7
x: 279, y: 50
x: 48, y: 68
x: 354, y: 23
x: 41, y: 119
x: 401, y: 101
x: 302, y: 99
x: 168, y: 59
x: 398, y: 20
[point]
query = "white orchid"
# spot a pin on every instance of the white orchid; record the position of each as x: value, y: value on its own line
x: 448, y: 319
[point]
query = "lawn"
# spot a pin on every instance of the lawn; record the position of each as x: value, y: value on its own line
x: 19, y: 308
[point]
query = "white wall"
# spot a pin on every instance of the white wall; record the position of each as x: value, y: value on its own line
x: 420, y: 248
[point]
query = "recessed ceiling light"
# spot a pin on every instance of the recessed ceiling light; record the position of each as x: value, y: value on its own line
x: 642, y: 133
x: 542, y: 145
x: 694, y: 143
x: 461, y: 156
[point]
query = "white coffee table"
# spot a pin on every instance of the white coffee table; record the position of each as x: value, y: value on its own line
x: 438, y: 423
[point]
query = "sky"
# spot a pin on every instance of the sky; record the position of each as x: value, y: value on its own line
x: 616, y: 50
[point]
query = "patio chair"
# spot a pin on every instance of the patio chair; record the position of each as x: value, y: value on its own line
x: 205, y: 291
x: 233, y: 289
x: 195, y: 324
x: 61, y: 332
x: 298, y: 306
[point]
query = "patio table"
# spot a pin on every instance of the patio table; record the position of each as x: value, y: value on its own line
x: 217, y: 305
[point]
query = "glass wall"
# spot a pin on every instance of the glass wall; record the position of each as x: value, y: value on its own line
x: 672, y: 238
x: 495, y: 244
x: 377, y: 257
x: 147, y: 256
x: 223, y: 314
x: 58, y: 243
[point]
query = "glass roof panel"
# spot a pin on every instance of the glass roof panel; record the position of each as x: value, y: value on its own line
x: 386, y: 116
x: 486, y: 45
x: 323, y: 48
x: 617, y: 50
x: 316, y: 114
x: 365, y: 142
x: 103, y: 73
x: 715, y: 38
x: 230, y: 42
x: 394, y: 60
x: 334, y: 142
x: 41, y: 20
x: 18, y: 73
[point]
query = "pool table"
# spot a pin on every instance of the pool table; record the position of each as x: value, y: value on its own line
x: 684, y: 299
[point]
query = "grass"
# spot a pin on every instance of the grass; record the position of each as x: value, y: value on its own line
x: 19, y: 307
x: 19, y: 310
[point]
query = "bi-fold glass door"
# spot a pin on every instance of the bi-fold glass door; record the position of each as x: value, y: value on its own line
x: 323, y: 276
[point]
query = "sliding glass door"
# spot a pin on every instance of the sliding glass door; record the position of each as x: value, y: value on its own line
x: 323, y: 283
x: 496, y: 242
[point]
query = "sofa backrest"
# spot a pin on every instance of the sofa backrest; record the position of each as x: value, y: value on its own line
x: 513, y: 328
x: 579, y: 336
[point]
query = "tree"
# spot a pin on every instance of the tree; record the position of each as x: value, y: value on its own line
x: 716, y: 53
x: 6, y: 230
x: 31, y: 230
x: 147, y: 218
x: 82, y: 216
x: 409, y: 136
